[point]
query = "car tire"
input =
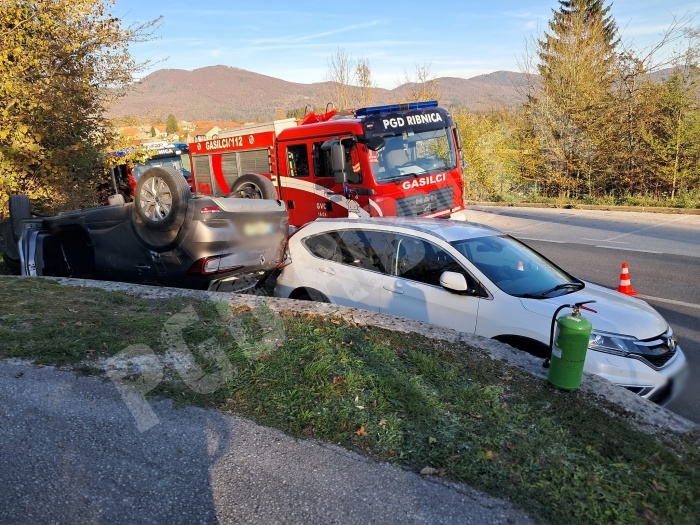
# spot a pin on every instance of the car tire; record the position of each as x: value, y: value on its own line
x: 309, y: 294
x: 19, y: 210
x: 161, y: 199
x: 252, y: 186
x: 9, y: 248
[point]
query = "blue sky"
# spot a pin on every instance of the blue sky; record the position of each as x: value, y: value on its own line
x: 294, y: 40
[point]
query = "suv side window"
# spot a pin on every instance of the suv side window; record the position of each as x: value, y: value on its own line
x: 424, y: 262
x: 369, y: 250
x: 324, y: 246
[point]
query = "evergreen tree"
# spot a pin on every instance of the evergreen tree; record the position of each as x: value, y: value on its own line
x: 578, y: 55
x: 171, y: 125
x: 577, y: 59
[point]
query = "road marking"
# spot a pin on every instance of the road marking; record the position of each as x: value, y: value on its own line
x: 669, y: 301
x: 531, y: 226
x: 626, y: 249
x: 603, y: 240
x: 647, y: 228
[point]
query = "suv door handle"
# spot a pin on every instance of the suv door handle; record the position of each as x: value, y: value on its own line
x: 393, y: 288
x: 328, y: 270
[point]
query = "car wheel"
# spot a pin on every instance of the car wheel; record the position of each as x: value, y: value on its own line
x: 309, y: 294
x: 252, y: 186
x: 19, y: 210
x: 9, y: 248
x: 161, y: 199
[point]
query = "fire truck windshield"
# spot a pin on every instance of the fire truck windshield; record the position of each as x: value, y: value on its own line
x: 414, y: 154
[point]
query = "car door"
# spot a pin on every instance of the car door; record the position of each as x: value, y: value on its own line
x: 351, y: 266
x: 412, y: 288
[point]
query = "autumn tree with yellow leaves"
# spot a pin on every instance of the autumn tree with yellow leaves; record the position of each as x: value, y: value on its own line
x: 61, y: 63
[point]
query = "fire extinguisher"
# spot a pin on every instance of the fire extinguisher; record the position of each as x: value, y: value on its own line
x: 567, y: 348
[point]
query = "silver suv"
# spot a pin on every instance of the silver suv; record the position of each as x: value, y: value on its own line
x: 476, y: 279
x: 166, y: 236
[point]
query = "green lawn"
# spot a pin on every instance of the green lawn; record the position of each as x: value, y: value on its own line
x: 436, y: 407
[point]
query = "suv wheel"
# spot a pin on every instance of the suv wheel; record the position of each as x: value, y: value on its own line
x: 161, y: 199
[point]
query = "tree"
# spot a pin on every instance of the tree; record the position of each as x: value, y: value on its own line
x: 340, y: 74
x: 351, y: 82
x: 363, y: 76
x: 576, y: 63
x: 673, y: 131
x: 153, y: 131
x: 423, y: 85
x: 171, y: 125
x: 491, y: 152
x: 61, y: 63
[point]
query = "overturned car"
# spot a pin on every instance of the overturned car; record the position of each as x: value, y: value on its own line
x: 167, y: 236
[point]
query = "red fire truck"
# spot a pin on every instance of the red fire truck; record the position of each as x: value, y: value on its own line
x: 397, y: 160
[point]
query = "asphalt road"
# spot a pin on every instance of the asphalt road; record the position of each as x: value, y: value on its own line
x: 70, y: 452
x: 662, y: 251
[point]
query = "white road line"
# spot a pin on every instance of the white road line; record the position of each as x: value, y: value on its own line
x: 603, y: 240
x: 626, y: 249
x: 647, y: 228
x: 531, y: 226
x: 669, y: 301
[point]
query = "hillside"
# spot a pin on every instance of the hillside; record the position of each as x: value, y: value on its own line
x: 228, y: 93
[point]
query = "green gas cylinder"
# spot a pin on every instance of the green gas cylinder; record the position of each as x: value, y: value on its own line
x: 569, y: 350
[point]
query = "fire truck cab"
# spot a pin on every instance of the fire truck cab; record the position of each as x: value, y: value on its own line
x: 398, y: 160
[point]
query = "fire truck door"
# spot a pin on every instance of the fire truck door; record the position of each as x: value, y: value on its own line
x: 306, y: 194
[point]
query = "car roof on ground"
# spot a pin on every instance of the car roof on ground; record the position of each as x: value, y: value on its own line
x: 443, y: 229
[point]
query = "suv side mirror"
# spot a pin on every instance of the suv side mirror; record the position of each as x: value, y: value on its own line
x: 454, y: 282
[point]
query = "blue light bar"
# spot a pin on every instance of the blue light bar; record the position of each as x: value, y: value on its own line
x: 363, y: 112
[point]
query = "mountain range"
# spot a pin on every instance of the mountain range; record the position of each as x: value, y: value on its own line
x: 227, y: 93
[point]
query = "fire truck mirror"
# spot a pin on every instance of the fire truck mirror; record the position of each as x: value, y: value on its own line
x: 458, y: 136
x: 338, y: 162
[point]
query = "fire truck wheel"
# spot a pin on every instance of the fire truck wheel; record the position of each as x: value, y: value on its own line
x: 161, y: 199
x: 252, y: 186
x: 19, y: 210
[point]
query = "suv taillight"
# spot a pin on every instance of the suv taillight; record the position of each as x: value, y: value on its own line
x: 210, y: 266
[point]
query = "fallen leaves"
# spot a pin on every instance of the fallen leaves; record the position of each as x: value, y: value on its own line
x: 652, y: 517
x: 361, y: 431
x: 430, y: 471
x: 657, y: 486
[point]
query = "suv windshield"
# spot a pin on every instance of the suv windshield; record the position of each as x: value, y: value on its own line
x: 515, y: 268
x: 414, y: 154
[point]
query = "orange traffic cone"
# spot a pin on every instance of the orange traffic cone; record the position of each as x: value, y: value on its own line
x: 625, y: 284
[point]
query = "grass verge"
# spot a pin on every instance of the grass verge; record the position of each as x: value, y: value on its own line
x: 435, y: 407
